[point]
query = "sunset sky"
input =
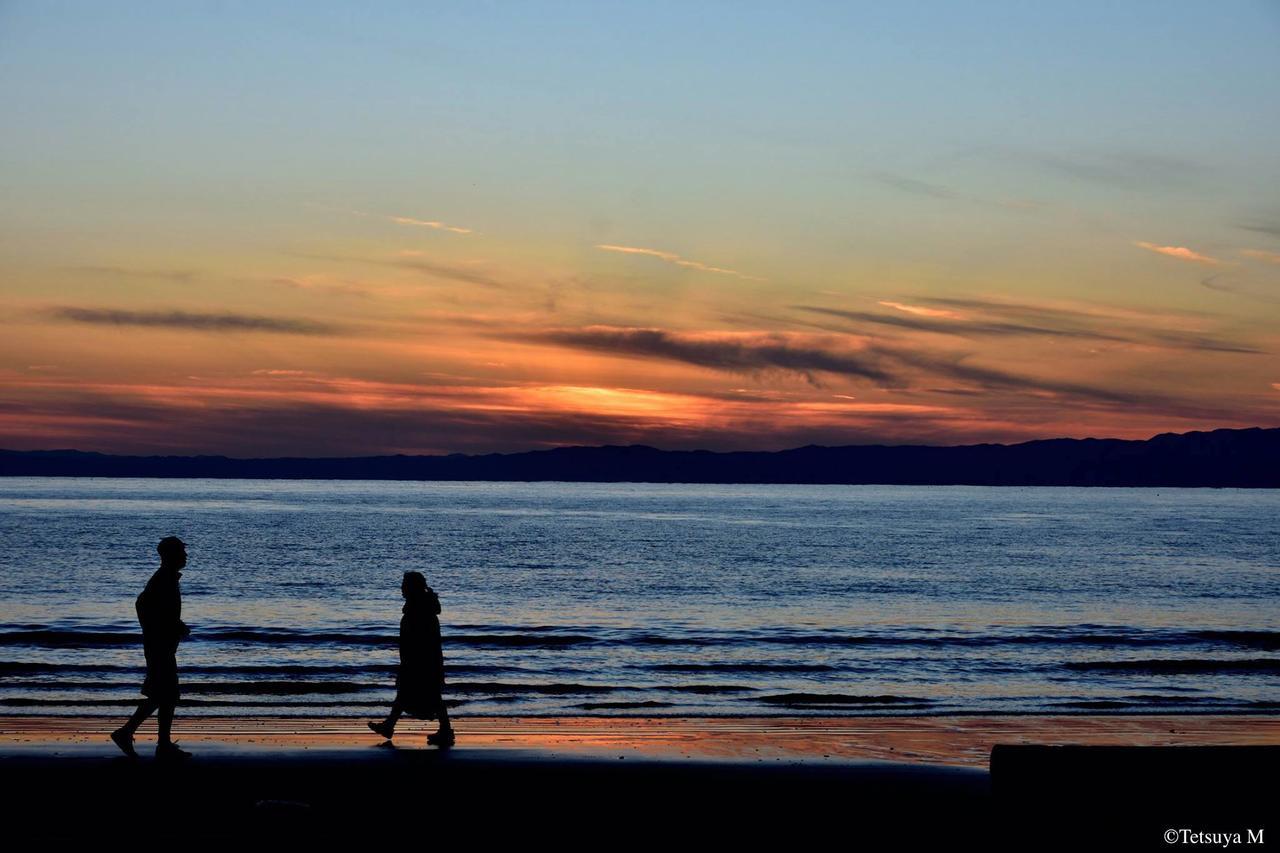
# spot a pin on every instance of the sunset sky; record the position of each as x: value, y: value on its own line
x: 344, y: 229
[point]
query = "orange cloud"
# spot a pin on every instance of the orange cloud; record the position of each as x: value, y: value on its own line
x: 673, y: 258
x: 1182, y: 253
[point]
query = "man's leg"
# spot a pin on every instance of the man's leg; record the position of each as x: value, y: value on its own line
x: 166, y: 748
x: 146, y: 709
x: 123, y: 736
x: 165, y: 721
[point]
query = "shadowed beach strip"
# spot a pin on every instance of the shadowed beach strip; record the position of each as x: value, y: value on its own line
x: 717, y: 780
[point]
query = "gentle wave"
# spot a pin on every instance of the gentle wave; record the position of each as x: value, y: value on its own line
x: 548, y: 637
x: 491, y: 671
x: 742, y: 667
x: 37, y: 702
x: 8, y: 668
x: 75, y: 639
x: 841, y: 699
x: 1134, y: 705
x: 1265, y: 640
x: 233, y: 688
x: 541, y: 689
x: 1181, y: 665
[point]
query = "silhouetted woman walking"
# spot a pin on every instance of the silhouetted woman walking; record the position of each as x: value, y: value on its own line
x: 421, y: 675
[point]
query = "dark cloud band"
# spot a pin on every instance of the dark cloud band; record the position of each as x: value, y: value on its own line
x: 728, y: 353
x: 193, y: 321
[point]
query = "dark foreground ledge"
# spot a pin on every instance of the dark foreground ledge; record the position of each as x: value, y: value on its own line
x: 477, y: 795
x: 1142, y: 796
x: 1035, y: 798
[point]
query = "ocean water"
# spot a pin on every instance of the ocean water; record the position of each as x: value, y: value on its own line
x: 571, y: 599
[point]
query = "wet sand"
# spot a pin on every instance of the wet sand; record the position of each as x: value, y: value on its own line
x: 955, y: 741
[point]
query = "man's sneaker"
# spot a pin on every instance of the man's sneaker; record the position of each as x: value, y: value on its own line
x: 383, y: 728
x: 442, y: 738
x: 171, y: 752
x: 124, y: 740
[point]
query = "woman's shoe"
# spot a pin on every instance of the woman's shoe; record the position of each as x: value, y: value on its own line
x: 442, y: 738
x: 384, y: 729
x: 171, y: 752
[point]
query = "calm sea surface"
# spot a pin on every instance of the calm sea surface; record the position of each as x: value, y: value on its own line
x: 651, y: 599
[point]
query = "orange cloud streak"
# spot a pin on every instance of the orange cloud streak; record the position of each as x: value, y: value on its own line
x: 1182, y: 253
x: 921, y: 310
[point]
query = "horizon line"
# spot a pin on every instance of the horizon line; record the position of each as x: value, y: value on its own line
x: 198, y: 455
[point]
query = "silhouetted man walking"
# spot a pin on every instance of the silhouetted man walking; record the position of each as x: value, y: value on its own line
x: 160, y: 613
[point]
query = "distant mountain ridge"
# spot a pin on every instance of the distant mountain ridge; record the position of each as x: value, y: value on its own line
x: 1244, y: 458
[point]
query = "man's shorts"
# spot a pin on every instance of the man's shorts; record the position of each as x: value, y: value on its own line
x: 161, y: 684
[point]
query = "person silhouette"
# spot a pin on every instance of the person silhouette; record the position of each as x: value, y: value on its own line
x: 420, y: 678
x: 159, y: 607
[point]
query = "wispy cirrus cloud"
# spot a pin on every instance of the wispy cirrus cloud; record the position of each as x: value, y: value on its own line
x: 433, y: 224
x: 673, y: 258
x: 192, y: 321
x: 1182, y: 253
x: 1223, y: 284
x: 928, y: 189
x: 1271, y: 229
x: 430, y: 223
x: 958, y: 368
x: 334, y: 288
x: 915, y: 186
x: 418, y: 262
x: 1005, y: 307
x: 453, y: 272
x: 1131, y: 170
x: 1011, y: 319
x: 1262, y: 255
x: 180, y: 276
x: 961, y: 328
